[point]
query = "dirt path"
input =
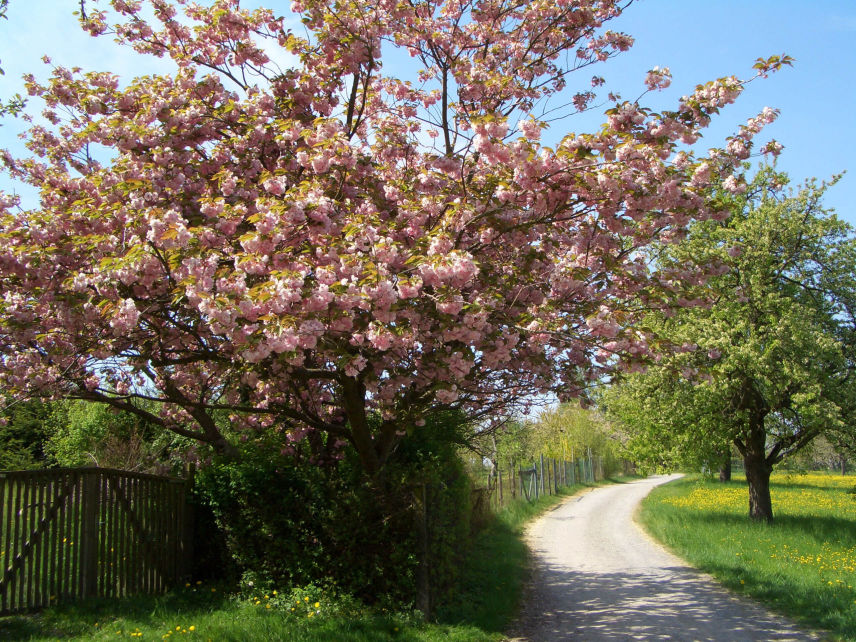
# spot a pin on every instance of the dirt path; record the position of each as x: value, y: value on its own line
x: 599, y: 577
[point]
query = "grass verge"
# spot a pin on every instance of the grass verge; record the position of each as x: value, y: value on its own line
x: 480, y: 610
x: 496, y: 573
x: 802, y: 565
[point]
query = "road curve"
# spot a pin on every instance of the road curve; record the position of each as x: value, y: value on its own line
x: 599, y: 577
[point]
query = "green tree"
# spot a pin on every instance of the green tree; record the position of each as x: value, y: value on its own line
x: 669, y: 422
x: 564, y: 432
x: 766, y: 363
x: 86, y: 434
x: 23, y: 430
x: 569, y: 430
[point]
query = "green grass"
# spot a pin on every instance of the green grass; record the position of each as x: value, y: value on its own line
x: 481, y: 609
x: 802, y: 565
x: 208, y: 613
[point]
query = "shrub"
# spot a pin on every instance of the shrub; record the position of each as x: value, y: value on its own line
x: 287, y: 522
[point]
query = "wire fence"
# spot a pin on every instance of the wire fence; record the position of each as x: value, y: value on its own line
x: 502, y: 485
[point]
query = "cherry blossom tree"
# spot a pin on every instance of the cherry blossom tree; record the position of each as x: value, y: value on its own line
x: 327, y: 251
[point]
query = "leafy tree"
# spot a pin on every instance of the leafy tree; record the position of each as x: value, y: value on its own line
x: 568, y: 430
x: 86, y: 434
x: 766, y: 363
x: 24, y: 427
x: 303, y: 246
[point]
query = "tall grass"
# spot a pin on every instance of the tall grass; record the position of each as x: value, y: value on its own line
x: 802, y: 565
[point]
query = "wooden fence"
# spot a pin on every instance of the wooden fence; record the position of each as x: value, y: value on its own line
x: 83, y: 532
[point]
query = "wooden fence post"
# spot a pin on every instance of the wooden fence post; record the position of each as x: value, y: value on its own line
x: 188, y: 516
x: 499, y: 483
x: 90, y: 500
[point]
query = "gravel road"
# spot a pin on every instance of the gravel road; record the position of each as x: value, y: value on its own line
x: 599, y: 577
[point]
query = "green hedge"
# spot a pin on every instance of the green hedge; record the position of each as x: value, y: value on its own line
x: 289, y: 523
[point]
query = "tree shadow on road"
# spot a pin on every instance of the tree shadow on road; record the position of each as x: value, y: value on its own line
x: 671, y: 604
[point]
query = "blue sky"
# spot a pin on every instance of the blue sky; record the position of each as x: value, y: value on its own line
x: 697, y: 39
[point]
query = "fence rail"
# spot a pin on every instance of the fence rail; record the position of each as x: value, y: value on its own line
x: 84, y: 532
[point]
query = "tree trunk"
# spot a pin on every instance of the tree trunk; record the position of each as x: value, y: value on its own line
x: 758, y: 475
x: 756, y: 463
x: 725, y: 469
x: 843, y: 461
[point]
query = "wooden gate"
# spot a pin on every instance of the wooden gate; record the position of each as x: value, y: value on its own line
x: 83, y: 532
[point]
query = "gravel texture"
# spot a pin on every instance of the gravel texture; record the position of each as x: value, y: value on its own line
x: 598, y: 576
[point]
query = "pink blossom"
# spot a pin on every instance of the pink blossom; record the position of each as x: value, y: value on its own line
x: 658, y: 78
x: 530, y: 129
x: 262, y: 248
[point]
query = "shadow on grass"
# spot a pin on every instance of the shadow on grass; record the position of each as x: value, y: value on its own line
x: 795, y: 484
x: 493, y: 577
x: 80, y: 618
x: 805, y: 601
x: 820, y: 529
x: 496, y: 573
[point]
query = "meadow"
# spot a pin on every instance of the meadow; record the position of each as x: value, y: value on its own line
x: 802, y: 565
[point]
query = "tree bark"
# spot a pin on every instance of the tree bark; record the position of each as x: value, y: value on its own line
x: 354, y: 400
x: 753, y: 448
x: 725, y: 468
x: 843, y: 461
x: 758, y: 475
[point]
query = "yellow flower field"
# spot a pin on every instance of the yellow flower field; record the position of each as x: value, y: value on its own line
x: 803, y: 564
x: 806, y: 494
